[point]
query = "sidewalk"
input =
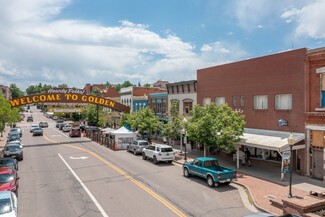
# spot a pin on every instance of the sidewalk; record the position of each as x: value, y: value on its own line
x: 263, y: 183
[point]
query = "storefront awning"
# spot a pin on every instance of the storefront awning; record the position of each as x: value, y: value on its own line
x: 269, y: 139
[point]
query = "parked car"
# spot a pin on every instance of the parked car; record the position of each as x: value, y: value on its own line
x: 9, y: 180
x: 55, y: 118
x: 17, y: 130
x: 13, y: 137
x: 32, y: 128
x: 8, y: 204
x: 9, y: 162
x: 75, y: 132
x: 43, y: 124
x: 30, y: 119
x: 30, y: 111
x: 137, y: 146
x: 66, y: 128
x: 58, y: 123
x: 209, y: 169
x: 13, y: 150
x: 37, y: 131
x: 158, y: 153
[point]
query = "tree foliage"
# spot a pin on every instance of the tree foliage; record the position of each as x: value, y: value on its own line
x: 216, y: 126
x: 144, y: 121
x: 90, y: 114
x: 15, y: 91
x: 8, y: 115
x: 172, y: 129
x: 95, y: 91
x: 146, y: 85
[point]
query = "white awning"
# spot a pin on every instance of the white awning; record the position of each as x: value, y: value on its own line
x: 269, y: 139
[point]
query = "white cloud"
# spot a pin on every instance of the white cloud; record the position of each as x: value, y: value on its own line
x: 230, y: 33
x: 36, y: 47
x: 260, y: 26
x: 309, y: 19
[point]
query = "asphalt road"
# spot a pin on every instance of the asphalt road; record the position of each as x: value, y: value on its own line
x: 109, y: 183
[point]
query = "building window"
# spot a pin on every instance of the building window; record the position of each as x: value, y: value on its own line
x: 241, y: 100
x: 234, y: 101
x: 187, y: 107
x: 260, y: 102
x: 153, y: 107
x: 220, y: 101
x: 174, y: 105
x: 283, y: 101
x: 206, y: 101
x: 158, y: 107
x: 164, y: 107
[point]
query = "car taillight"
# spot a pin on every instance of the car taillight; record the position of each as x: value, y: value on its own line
x: 137, y: 146
x: 219, y: 176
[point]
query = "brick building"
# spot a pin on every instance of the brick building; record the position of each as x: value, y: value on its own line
x: 161, y: 84
x: 91, y: 87
x: 270, y: 92
x: 315, y: 112
x: 6, y: 92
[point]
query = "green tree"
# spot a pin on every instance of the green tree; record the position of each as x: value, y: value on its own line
x: 216, y: 126
x: 127, y: 84
x: 146, y: 85
x: 139, y: 84
x: 63, y: 86
x: 107, y: 84
x: 8, y: 115
x: 172, y: 129
x: 15, y: 91
x: 95, y: 91
x: 75, y: 117
x: 90, y: 114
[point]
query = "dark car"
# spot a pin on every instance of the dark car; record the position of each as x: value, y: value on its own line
x: 13, y: 137
x: 17, y: 130
x: 14, y: 151
x: 38, y: 131
x: 9, y: 180
x: 9, y: 162
x: 30, y: 118
x: 75, y: 132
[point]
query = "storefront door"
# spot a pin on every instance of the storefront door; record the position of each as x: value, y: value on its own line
x: 298, y: 160
x: 318, y: 164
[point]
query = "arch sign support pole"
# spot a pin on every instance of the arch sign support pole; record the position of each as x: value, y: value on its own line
x: 68, y: 96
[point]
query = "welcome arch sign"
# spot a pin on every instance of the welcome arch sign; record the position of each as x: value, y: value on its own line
x: 68, y: 96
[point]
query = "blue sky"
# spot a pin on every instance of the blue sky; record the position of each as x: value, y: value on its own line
x: 78, y: 42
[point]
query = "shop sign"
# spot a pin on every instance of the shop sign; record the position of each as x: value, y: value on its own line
x: 282, y: 123
x: 286, y: 159
x: 66, y: 110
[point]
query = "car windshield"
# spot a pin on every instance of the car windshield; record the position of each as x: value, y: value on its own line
x: 211, y: 163
x: 143, y: 143
x: 12, y: 148
x: 37, y: 128
x: 6, y: 162
x: 5, y: 206
x: 166, y: 150
x: 14, y: 130
x: 33, y: 126
x: 8, y: 177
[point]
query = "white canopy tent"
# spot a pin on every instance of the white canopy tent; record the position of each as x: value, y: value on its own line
x: 107, y: 130
x: 123, y: 137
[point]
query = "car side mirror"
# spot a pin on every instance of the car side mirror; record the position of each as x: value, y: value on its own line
x: 18, y: 178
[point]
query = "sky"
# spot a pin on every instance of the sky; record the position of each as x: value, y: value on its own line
x: 95, y: 41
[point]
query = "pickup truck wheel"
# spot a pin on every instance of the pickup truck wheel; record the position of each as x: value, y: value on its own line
x: 144, y: 157
x: 155, y: 161
x: 186, y: 172
x: 210, y: 181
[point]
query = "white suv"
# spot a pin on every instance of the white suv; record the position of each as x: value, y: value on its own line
x: 158, y: 153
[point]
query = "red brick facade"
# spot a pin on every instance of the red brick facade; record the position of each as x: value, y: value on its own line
x: 282, y: 73
x: 90, y: 87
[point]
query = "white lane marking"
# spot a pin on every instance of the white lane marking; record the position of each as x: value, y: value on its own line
x: 59, y: 131
x: 100, y: 208
x: 78, y: 158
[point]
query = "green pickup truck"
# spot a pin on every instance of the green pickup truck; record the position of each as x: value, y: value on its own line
x: 209, y: 169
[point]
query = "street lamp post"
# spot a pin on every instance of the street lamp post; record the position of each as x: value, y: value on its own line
x: 291, y: 142
x: 184, y: 134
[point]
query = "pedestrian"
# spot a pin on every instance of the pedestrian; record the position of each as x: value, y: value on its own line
x: 248, y: 156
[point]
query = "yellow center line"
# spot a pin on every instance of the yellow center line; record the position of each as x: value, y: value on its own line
x: 152, y: 193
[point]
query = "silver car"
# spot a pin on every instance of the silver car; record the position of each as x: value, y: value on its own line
x: 14, y: 151
x: 137, y: 146
x: 43, y: 124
